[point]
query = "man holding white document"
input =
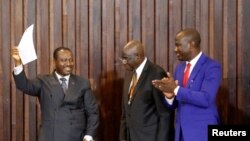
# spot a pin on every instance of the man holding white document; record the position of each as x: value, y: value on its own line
x: 68, y: 107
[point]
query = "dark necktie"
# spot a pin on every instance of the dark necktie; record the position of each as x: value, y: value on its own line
x: 186, y: 75
x: 132, y: 87
x: 64, y: 84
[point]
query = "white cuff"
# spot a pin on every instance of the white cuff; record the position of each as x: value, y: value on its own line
x: 169, y: 101
x: 176, y: 90
x: 88, y: 138
x: 18, y: 69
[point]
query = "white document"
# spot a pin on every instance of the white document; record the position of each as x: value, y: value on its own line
x: 26, y: 46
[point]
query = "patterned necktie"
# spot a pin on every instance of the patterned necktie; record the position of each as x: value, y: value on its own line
x: 64, y: 84
x: 186, y: 75
x: 132, y: 87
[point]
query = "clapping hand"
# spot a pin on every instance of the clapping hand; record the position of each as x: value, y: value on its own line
x: 166, y: 85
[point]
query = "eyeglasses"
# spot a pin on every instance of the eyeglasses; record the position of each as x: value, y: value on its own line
x: 123, y: 60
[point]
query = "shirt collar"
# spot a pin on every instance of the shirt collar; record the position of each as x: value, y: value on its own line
x: 140, y: 68
x: 194, y: 60
x: 59, y: 76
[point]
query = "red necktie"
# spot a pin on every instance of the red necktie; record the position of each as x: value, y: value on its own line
x: 186, y: 74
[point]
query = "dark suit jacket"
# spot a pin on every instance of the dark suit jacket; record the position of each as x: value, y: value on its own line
x: 197, y: 101
x: 64, y: 117
x: 146, y: 118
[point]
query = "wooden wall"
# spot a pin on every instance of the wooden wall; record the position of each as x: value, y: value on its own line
x: 96, y: 31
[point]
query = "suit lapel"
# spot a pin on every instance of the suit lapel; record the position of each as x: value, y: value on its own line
x: 57, y: 91
x: 196, y: 69
x: 71, y: 88
x: 58, y: 96
x: 141, y: 79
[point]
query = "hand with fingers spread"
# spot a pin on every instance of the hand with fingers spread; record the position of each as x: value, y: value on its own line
x: 166, y: 84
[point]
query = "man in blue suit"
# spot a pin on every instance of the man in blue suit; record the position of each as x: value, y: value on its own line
x: 195, y: 99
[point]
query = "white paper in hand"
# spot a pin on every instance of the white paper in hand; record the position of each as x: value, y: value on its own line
x: 26, y: 46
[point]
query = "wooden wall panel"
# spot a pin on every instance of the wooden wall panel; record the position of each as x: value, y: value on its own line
x: 5, y: 91
x: 97, y: 30
x: 202, y: 23
x: 148, y: 27
x: 243, y: 83
x: 1, y: 78
x: 29, y: 102
x: 229, y: 61
x: 161, y: 46
x: 134, y: 19
x: 82, y: 38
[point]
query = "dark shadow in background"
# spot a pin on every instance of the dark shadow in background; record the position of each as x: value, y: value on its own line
x: 230, y: 113
x: 108, y: 92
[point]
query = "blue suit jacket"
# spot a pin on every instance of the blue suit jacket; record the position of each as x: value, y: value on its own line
x: 196, y: 103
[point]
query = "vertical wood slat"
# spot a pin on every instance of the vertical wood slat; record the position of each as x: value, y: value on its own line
x: 229, y: 48
x: 69, y: 6
x: 5, y: 119
x: 239, y: 52
x: 134, y: 9
x: 161, y: 34
x: 121, y: 38
x: 1, y: 77
x: 121, y: 30
x: 175, y: 20
x: 30, y: 102
x: 94, y: 39
x: 97, y: 30
x: 107, y: 75
x: 43, y: 37
x: 17, y: 102
x: 55, y: 27
x: 42, y: 49
x: 243, y: 83
x: 148, y: 27
x: 216, y: 48
x: 188, y: 12
x: 82, y: 38
x: 203, y: 25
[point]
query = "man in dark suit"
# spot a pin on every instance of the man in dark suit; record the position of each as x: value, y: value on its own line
x: 69, y: 109
x: 193, y: 89
x: 144, y: 117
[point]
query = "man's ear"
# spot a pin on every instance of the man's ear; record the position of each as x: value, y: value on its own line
x: 54, y: 64
x: 192, y: 43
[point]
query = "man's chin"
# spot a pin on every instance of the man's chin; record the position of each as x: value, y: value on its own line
x: 180, y: 59
x: 67, y: 72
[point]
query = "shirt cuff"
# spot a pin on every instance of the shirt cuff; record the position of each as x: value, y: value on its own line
x: 18, y: 69
x: 176, y: 90
x: 88, y: 138
x: 169, y: 101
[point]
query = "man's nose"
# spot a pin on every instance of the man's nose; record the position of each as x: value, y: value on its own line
x: 68, y: 62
